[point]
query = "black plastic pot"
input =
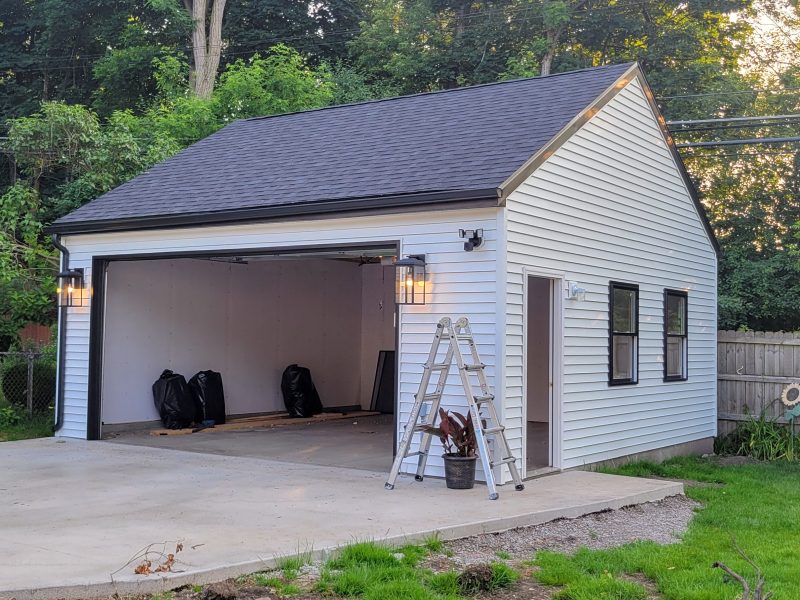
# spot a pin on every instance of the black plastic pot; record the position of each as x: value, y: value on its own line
x: 459, y: 471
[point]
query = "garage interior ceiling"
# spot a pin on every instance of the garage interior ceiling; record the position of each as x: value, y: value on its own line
x: 361, y: 255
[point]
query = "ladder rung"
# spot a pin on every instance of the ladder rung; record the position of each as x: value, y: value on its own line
x: 474, y: 367
x: 482, y: 399
x: 504, y: 461
x: 491, y: 430
x: 415, y: 454
x: 430, y: 397
x: 438, y: 366
x: 464, y: 336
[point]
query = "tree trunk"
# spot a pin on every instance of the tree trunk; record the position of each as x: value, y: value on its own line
x: 553, y: 37
x: 206, y: 43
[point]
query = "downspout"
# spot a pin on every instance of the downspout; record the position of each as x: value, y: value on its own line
x: 62, y: 340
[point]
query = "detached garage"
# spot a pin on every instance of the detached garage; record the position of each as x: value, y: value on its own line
x: 552, y: 212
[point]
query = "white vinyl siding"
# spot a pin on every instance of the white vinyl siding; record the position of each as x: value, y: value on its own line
x: 611, y: 205
x: 459, y: 283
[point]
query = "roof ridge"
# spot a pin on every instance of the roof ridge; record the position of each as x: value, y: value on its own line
x: 433, y: 92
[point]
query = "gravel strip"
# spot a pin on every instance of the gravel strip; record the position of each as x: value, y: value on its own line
x: 662, y: 522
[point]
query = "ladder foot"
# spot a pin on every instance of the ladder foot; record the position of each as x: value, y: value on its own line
x: 388, y: 486
x: 418, y: 477
x: 494, y: 496
x: 519, y: 487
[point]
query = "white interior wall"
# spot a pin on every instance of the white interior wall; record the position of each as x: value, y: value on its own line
x: 377, y: 322
x: 248, y: 321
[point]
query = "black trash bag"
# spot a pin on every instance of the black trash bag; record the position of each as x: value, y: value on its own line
x: 206, y: 386
x: 299, y: 394
x: 174, y: 401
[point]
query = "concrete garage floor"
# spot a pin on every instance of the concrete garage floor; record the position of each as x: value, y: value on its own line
x: 357, y: 443
x: 77, y: 515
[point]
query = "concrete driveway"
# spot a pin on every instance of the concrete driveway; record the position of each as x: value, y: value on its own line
x: 77, y: 515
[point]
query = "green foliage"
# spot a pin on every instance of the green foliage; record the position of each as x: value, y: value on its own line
x: 602, y: 587
x: 125, y: 76
x: 278, y: 83
x: 26, y: 263
x: 67, y: 156
x: 433, y: 543
x: 502, y: 576
x: 760, y: 438
x: 15, y: 384
x: 350, y: 85
x: 749, y: 504
x: 22, y: 426
x: 444, y: 584
x: 9, y: 417
x: 371, y: 570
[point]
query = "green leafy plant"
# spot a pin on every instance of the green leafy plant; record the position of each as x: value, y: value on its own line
x: 433, y: 543
x: 761, y: 438
x: 456, y: 433
x: 9, y: 417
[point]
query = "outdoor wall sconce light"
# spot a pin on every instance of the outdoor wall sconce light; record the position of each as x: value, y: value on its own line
x: 474, y: 238
x: 576, y: 292
x: 410, y: 283
x: 70, y: 288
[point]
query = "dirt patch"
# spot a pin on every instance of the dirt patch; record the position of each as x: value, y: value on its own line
x: 734, y: 461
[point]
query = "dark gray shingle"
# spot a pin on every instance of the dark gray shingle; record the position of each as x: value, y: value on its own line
x: 466, y: 139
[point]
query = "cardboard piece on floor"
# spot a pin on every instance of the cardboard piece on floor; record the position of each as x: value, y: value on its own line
x: 267, y: 421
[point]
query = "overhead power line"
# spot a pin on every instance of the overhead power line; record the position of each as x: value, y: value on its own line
x: 735, y: 120
x: 787, y: 90
x: 774, y: 140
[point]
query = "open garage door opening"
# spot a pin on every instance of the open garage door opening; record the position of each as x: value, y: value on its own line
x: 248, y: 317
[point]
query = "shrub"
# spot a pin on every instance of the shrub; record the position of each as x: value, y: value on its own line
x: 760, y: 438
x: 9, y: 417
x: 15, y: 385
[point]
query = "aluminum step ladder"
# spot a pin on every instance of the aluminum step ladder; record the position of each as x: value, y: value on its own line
x: 426, y: 406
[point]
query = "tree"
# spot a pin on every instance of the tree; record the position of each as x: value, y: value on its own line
x: 206, y: 43
x: 66, y: 156
x: 278, y: 83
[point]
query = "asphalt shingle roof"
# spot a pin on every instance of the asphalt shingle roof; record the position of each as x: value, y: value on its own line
x: 461, y: 140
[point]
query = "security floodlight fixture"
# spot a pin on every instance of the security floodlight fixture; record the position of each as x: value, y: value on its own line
x: 474, y: 238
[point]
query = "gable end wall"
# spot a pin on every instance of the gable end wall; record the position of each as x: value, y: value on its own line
x: 610, y: 205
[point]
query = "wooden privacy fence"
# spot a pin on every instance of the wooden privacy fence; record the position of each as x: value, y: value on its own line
x: 753, y: 368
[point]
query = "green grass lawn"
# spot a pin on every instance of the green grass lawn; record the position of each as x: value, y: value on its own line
x: 754, y: 506
x: 26, y: 427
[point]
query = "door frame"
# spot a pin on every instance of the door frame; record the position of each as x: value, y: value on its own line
x: 557, y: 290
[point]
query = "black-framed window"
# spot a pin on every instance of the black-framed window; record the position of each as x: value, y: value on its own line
x: 623, y: 333
x: 676, y: 335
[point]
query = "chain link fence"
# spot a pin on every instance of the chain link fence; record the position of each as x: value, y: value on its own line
x: 27, y: 381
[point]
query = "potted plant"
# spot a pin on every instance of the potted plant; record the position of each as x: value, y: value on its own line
x: 460, y: 449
